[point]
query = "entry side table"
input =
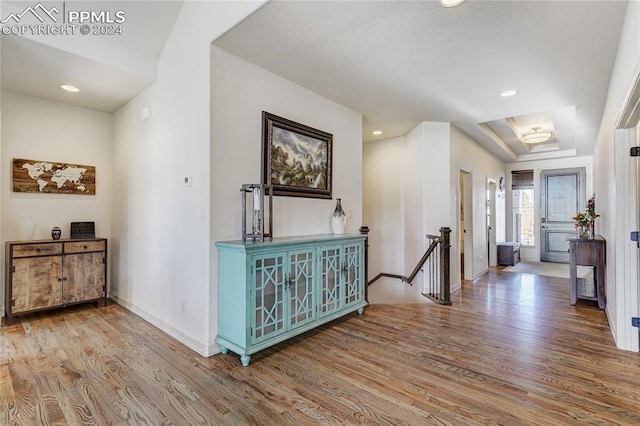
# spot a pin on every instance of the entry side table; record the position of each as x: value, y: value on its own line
x: 588, y: 252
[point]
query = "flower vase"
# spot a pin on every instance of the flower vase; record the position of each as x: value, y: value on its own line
x: 338, y: 219
x: 26, y: 229
x: 584, y: 232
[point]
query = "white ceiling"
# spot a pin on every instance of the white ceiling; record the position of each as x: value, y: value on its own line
x: 399, y: 63
x: 109, y: 69
x: 396, y: 62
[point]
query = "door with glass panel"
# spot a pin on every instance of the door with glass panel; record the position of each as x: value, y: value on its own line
x: 330, y: 289
x: 352, y: 271
x: 562, y: 195
x: 268, y: 316
x: 300, y: 288
x: 341, y: 276
x: 283, y: 293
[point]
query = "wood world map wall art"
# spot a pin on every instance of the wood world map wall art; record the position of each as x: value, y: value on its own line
x: 53, y: 178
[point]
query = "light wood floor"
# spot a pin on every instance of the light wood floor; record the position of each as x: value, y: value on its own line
x: 511, y: 350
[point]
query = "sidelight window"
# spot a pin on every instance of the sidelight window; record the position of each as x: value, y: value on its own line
x: 523, y: 206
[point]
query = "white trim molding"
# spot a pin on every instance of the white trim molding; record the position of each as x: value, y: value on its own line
x: 625, y: 289
x: 203, y: 350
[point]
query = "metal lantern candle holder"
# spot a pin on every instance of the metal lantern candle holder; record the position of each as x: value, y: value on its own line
x: 253, y: 216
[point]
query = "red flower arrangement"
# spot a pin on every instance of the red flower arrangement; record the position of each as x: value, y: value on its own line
x: 584, y: 220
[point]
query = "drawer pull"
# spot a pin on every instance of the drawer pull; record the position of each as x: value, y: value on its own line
x: 38, y: 250
x: 59, y: 280
x: 85, y: 247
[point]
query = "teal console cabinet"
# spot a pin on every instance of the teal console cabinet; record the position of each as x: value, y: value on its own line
x: 269, y: 291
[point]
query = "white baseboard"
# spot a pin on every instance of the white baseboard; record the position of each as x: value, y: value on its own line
x: 612, y: 325
x: 481, y: 273
x: 200, y: 348
x: 213, y: 349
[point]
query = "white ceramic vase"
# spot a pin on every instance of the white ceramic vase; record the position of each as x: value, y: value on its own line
x: 26, y: 229
x: 338, y: 219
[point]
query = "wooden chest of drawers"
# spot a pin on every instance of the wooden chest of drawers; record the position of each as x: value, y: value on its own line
x: 47, y: 274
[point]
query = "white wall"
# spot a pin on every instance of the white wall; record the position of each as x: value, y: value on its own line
x: 414, y: 174
x: 619, y: 307
x: 426, y: 191
x: 240, y: 92
x: 425, y: 164
x: 38, y: 129
x: 161, y: 228
x: 533, y: 252
x: 383, y: 204
x: 468, y: 155
x: 406, y: 197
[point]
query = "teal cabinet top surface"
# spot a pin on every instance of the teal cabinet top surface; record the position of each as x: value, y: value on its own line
x: 280, y: 241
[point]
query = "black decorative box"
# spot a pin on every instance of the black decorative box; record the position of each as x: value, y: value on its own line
x: 83, y: 229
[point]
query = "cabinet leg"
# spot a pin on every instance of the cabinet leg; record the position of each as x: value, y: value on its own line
x: 224, y: 350
x: 245, y: 360
x: 360, y: 311
x: 601, y: 303
x: 9, y: 320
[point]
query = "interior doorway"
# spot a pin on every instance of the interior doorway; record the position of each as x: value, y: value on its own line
x: 466, y: 224
x: 491, y: 223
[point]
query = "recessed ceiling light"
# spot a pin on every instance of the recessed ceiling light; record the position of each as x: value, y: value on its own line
x: 508, y: 93
x: 69, y: 88
x: 377, y: 132
x: 450, y: 3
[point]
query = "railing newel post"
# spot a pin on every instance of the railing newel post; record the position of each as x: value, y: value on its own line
x: 445, y: 276
x: 365, y: 231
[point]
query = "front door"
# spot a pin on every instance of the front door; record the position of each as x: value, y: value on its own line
x: 562, y: 195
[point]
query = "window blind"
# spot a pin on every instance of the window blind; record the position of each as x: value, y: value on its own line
x: 522, y: 179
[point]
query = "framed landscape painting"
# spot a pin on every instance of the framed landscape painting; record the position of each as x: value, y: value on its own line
x: 296, y: 159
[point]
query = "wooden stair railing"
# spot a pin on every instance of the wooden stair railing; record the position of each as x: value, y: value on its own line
x: 438, y: 268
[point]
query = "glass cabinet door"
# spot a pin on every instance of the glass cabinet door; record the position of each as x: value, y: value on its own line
x: 353, y: 289
x: 330, y: 265
x: 300, y: 286
x: 268, y: 307
x: 284, y: 294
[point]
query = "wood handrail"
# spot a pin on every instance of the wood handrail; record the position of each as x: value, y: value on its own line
x: 443, y: 240
x: 415, y: 271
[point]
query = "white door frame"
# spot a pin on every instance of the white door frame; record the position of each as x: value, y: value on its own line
x: 627, y: 208
x: 468, y: 220
x: 626, y: 252
x: 492, y: 189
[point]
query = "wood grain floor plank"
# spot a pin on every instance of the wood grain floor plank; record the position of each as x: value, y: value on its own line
x: 138, y: 406
x: 443, y: 388
x: 510, y: 351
